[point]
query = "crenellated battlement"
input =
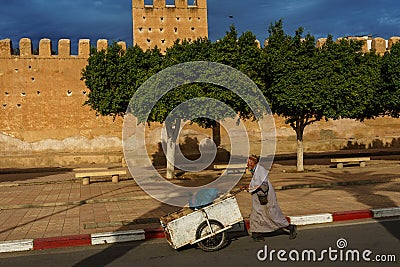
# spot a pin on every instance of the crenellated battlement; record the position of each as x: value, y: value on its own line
x: 45, y: 48
x: 378, y: 44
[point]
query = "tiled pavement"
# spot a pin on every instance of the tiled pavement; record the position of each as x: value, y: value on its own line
x: 53, y: 203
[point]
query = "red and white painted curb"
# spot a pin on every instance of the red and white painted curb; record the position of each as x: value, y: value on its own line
x: 145, y: 234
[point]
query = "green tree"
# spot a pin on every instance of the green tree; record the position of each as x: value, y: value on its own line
x: 198, y: 50
x: 390, y: 71
x: 244, y: 54
x: 113, y: 76
x: 305, y: 84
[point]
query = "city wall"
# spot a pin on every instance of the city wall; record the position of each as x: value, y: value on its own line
x: 44, y: 122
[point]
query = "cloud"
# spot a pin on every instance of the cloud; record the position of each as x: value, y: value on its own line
x: 110, y: 19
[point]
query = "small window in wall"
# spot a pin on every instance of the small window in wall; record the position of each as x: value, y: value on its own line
x: 161, y: 29
x: 176, y: 29
x: 38, y: 92
x: 69, y: 93
x: 18, y: 105
x: 84, y: 92
x: 4, y: 105
x: 163, y: 41
x: 140, y: 29
x: 192, y: 2
x: 193, y: 29
x: 149, y: 29
x: 23, y: 94
x: 190, y: 18
x: 178, y: 18
x: 7, y: 94
x: 162, y: 18
x: 148, y: 40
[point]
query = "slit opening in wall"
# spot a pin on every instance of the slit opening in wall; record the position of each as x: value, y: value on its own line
x: 84, y: 92
x: 33, y: 79
x: 176, y: 29
x: 38, y: 92
x: 140, y: 29
x: 4, y: 105
x: 23, y: 94
x: 18, y: 105
x: 69, y: 93
x: 30, y: 67
x: 6, y: 93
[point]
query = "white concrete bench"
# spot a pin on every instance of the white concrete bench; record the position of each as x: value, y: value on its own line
x: 360, y: 160
x: 87, y: 175
x: 231, y: 168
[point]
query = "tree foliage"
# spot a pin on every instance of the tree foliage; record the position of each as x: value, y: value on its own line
x: 306, y: 84
x: 113, y: 76
x: 390, y: 71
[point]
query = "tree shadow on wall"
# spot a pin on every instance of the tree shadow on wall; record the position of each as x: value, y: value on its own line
x: 190, y: 149
x: 375, y: 144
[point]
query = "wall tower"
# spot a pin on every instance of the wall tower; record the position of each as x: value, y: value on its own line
x: 160, y: 24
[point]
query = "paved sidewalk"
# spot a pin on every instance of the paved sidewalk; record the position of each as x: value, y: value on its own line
x: 50, y: 203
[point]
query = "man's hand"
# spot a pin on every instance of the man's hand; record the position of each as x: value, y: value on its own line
x: 244, y: 188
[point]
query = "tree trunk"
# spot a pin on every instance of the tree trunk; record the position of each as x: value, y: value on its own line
x: 300, y: 148
x: 170, y: 158
x: 172, y: 135
x: 216, y: 132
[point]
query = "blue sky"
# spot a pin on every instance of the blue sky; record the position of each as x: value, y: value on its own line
x: 111, y: 19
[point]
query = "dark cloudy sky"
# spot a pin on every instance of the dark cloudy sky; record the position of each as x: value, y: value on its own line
x: 112, y: 19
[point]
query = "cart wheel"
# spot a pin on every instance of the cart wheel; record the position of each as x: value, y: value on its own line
x: 212, y: 243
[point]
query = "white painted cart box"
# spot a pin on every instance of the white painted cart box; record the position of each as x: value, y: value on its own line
x: 182, y: 231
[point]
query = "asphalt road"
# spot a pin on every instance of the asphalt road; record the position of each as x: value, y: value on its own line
x: 373, y: 243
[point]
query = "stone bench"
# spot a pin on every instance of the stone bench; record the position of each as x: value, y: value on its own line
x: 87, y: 175
x: 360, y: 160
x: 231, y: 168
